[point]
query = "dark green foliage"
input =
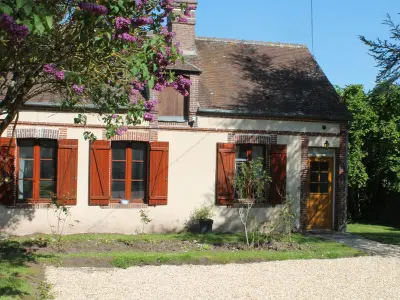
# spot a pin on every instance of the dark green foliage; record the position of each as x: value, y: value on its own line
x: 374, y: 152
x: 386, y: 52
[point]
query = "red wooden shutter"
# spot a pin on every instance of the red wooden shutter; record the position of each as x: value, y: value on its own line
x: 67, y: 171
x: 158, y: 182
x: 225, y: 172
x: 7, y: 168
x: 278, y: 174
x: 100, y: 173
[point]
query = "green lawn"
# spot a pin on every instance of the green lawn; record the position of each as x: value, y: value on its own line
x: 383, y: 234
x: 314, y: 249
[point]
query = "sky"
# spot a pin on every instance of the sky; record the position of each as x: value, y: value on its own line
x: 337, y: 25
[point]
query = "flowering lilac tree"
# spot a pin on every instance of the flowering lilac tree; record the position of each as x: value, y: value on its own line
x: 102, y: 53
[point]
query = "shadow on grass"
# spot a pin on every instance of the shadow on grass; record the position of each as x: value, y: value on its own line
x: 16, y: 260
x: 392, y: 238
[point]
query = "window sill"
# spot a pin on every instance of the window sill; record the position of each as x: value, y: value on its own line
x: 29, y: 206
x: 128, y: 206
x: 254, y: 205
x: 172, y: 119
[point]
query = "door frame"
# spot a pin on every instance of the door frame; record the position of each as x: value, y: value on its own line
x: 323, y: 153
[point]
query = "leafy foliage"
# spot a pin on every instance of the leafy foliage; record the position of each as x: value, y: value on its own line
x: 374, y: 149
x: 100, y: 54
x: 386, y: 52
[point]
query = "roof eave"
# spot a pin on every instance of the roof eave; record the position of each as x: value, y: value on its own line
x: 249, y: 113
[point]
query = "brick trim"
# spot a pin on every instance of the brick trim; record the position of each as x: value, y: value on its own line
x: 303, y: 183
x: 129, y: 206
x: 241, y: 138
x: 130, y: 136
x: 39, y: 133
x: 340, y: 184
x: 190, y: 129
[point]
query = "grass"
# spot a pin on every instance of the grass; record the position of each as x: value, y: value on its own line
x: 13, y: 281
x: 383, y: 234
x: 316, y: 249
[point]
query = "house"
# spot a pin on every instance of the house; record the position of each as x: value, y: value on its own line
x: 248, y: 99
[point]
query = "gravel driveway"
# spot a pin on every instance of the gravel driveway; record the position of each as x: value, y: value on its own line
x: 351, y: 278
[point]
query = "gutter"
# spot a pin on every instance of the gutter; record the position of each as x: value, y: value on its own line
x: 222, y: 112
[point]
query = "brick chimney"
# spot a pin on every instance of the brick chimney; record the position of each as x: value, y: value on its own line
x: 185, y: 32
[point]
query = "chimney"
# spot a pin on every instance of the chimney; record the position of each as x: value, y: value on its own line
x: 185, y: 32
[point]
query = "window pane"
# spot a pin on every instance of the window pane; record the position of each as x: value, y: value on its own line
x: 47, y: 149
x: 324, y: 166
x: 258, y: 151
x: 137, y: 170
x: 241, y: 152
x: 118, y: 189
x: 118, y: 170
x: 46, y: 188
x: 25, y: 169
x: 324, y: 177
x: 118, y: 150
x: 313, y: 187
x: 324, y: 187
x: 25, y: 148
x: 47, y: 169
x: 314, y: 177
x: 137, y: 190
x: 138, y: 151
x: 25, y: 189
x: 314, y: 166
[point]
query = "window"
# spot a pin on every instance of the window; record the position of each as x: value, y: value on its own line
x: 246, y: 153
x: 172, y: 106
x: 320, y: 181
x: 129, y: 170
x: 36, y: 169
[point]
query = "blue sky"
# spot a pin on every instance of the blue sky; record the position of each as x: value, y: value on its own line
x: 337, y: 24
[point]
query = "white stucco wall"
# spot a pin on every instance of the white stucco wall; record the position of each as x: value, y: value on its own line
x: 192, y: 169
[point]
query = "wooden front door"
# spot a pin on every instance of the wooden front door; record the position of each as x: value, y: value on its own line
x: 320, y: 193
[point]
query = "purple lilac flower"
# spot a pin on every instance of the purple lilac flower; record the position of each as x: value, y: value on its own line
x: 96, y: 9
x: 182, y: 20
x: 6, y: 21
x: 121, y: 130
x: 134, y: 101
x: 148, y: 117
x: 137, y: 85
x: 134, y: 92
x: 164, y: 30
x: 188, y: 11
x: 114, y: 116
x: 142, y: 21
x: 121, y: 23
x: 60, y: 75
x: 19, y: 32
x: 159, y: 87
x: 150, y: 105
x: 182, y: 85
x: 140, y: 3
x: 49, y: 68
x: 78, y: 89
x: 127, y: 37
x: 16, y: 31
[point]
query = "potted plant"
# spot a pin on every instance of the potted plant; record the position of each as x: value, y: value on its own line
x: 203, y: 215
x: 251, y: 181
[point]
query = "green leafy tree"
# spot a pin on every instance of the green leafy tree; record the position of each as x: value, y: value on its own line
x: 98, y: 53
x: 374, y: 150
x: 386, y: 52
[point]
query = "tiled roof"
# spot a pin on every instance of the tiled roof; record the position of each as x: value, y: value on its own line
x: 271, y: 79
